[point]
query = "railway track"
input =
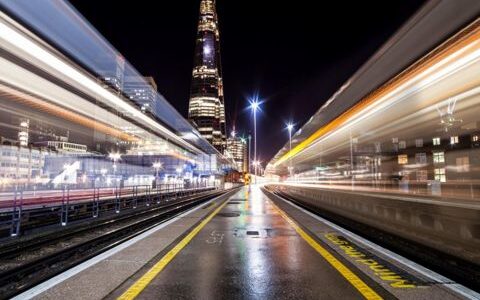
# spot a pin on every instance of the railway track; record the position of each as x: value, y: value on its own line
x: 28, y: 263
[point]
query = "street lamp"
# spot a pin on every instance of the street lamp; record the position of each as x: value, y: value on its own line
x: 254, y: 106
x: 115, y: 156
x: 157, y: 166
x: 257, y: 164
x: 249, y: 154
x: 290, y: 128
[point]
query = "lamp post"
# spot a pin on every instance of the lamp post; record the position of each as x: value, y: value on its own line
x: 290, y: 128
x: 254, y: 105
x: 115, y: 156
x: 157, y: 166
x: 249, y: 154
x: 104, y: 172
x: 230, y: 150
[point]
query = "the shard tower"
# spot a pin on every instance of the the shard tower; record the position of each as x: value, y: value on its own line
x: 206, y: 108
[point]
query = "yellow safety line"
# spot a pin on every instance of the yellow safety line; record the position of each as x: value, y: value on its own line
x: 353, y: 279
x: 143, y: 282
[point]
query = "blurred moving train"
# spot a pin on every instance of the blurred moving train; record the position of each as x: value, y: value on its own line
x: 416, y: 132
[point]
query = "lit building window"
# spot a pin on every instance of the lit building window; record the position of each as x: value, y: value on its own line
x: 438, y: 157
x: 436, y: 141
x: 453, y: 140
x: 440, y: 175
x: 422, y: 175
x: 419, y: 143
x: 463, y: 164
x: 403, y: 159
x: 421, y: 158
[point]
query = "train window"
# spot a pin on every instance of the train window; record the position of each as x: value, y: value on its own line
x: 475, y: 138
x: 402, y: 145
x: 436, y: 141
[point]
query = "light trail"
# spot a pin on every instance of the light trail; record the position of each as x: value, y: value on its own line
x: 8, y: 93
x: 464, y: 49
x: 27, y: 48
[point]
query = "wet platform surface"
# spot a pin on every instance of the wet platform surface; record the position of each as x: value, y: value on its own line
x: 249, y: 251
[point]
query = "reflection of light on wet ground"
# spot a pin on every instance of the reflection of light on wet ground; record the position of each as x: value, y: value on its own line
x: 291, y: 254
x: 258, y: 260
x: 256, y: 201
x: 259, y: 268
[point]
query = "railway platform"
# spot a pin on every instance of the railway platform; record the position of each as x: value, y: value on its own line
x: 248, y: 244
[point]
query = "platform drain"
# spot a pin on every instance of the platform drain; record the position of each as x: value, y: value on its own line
x: 252, y: 233
x: 229, y: 214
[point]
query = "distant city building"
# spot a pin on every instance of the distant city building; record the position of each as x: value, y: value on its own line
x: 23, y: 136
x: 20, y: 165
x: 206, y: 108
x: 112, y: 72
x: 237, y: 148
x: 142, y: 91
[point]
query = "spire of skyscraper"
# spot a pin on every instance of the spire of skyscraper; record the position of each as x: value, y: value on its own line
x: 206, y: 108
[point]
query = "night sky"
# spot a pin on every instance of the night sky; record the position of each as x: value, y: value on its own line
x: 294, y: 54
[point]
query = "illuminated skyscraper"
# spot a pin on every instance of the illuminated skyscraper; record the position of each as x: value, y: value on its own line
x: 237, y: 148
x: 112, y: 72
x: 206, y: 109
x: 142, y: 91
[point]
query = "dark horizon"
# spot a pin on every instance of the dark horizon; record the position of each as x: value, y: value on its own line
x: 295, y: 58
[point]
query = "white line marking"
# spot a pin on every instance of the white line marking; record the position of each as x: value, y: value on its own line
x: 458, y: 288
x: 44, y: 286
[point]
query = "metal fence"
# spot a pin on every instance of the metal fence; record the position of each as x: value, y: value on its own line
x: 22, y: 210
